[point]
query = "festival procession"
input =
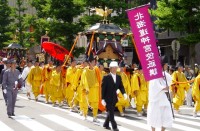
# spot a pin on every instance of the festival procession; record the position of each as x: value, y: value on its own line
x: 85, y: 65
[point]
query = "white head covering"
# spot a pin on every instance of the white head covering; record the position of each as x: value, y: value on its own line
x: 113, y: 64
x: 4, y: 59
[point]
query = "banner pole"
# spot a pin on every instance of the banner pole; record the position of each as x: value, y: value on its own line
x: 133, y: 41
x: 71, y: 51
x: 168, y: 94
x: 91, y: 43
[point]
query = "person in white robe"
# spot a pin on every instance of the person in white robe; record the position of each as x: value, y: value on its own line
x: 24, y: 77
x: 159, y: 112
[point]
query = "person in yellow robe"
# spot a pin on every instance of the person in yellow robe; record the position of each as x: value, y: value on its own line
x: 77, y: 87
x: 139, y: 90
x: 56, y: 85
x: 70, y: 74
x: 47, y: 77
x: 180, y: 85
x: 196, y: 95
x: 35, y: 79
x: 90, y: 96
x: 122, y: 103
x: 63, y: 72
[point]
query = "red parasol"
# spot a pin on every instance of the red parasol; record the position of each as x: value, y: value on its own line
x: 55, y: 50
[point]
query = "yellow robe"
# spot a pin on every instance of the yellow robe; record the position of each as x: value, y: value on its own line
x: 196, y: 93
x: 90, y: 85
x: 35, y: 80
x: 76, y: 85
x: 69, y: 80
x: 179, y: 89
x: 63, y: 72
x: 46, y: 81
x: 139, y: 90
x: 121, y: 101
x: 56, y: 85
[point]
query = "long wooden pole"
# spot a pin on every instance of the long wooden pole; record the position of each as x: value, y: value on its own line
x: 71, y: 50
x: 133, y: 41
x: 91, y: 43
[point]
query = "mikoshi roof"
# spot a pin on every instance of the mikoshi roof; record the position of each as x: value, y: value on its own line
x: 105, y: 29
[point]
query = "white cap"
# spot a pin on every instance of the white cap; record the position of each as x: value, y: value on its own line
x: 113, y: 64
x: 4, y: 59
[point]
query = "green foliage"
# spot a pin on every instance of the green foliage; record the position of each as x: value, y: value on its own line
x: 57, y: 17
x: 180, y: 15
x: 5, y: 20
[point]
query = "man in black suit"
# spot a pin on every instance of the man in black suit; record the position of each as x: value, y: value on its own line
x: 111, y: 85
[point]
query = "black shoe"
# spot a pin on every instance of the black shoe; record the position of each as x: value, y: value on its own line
x: 116, y: 129
x: 9, y: 116
x: 107, y: 127
x: 13, y: 114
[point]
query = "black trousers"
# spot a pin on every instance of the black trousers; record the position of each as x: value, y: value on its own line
x: 110, y: 107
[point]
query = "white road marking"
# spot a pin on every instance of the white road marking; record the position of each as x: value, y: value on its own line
x: 66, y: 123
x: 4, y: 127
x: 30, y: 123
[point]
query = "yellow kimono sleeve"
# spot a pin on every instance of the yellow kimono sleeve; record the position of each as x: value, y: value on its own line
x: 76, y: 79
x: 30, y: 76
x: 135, y: 83
x: 187, y: 85
x: 70, y: 74
x: 84, y: 81
x: 196, y: 89
x: 126, y: 83
x: 44, y: 74
x: 174, y: 78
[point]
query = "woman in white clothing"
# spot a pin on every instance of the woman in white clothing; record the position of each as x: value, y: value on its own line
x: 159, y: 112
x: 24, y: 76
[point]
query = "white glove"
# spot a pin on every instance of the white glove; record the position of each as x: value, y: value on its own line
x: 125, y: 96
x: 4, y: 91
x: 118, y: 91
x: 20, y: 76
x: 103, y: 102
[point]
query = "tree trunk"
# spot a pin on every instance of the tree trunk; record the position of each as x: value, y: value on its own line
x: 192, y: 55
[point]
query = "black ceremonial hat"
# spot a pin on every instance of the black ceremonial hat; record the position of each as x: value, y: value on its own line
x: 179, y: 64
x: 139, y: 66
x: 121, y: 64
x: 164, y: 60
x: 37, y: 59
x: 91, y: 58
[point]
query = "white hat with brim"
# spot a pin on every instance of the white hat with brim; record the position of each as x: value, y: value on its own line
x: 113, y: 64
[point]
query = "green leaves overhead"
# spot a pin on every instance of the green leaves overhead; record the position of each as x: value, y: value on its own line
x: 179, y: 15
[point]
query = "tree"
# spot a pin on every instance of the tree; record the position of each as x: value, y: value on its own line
x: 56, y: 17
x: 180, y: 15
x: 19, y: 10
x: 5, y: 21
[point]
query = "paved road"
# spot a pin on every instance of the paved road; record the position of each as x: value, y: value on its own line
x: 38, y: 116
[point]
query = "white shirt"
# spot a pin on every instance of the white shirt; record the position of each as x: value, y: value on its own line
x: 156, y: 86
x: 4, y: 66
x: 26, y: 72
x: 114, y: 77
